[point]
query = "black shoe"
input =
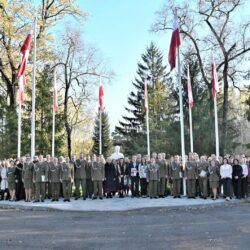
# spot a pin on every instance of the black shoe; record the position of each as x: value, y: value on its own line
x: 100, y: 198
x: 64, y: 200
x: 68, y: 200
x: 84, y: 198
x: 76, y: 198
x: 42, y: 200
x: 52, y: 200
x: 205, y: 198
x: 36, y: 201
x: 175, y: 197
x: 179, y: 196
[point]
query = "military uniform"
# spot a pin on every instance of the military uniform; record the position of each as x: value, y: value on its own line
x: 48, y: 184
x: 66, y: 176
x: 191, y: 175
x: 153, y: 179
x: 11, y: 177
x: 202, y: 170
x: 80, y: 177
x: 89, y: 183
x: 162, y: 176
x: 97, y: 175
x: 27, y: 175
x: 175, y: 173
x: 54, y: 180
x: 40, y: 176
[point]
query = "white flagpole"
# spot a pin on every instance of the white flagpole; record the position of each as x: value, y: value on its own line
x: 100, y: 127
x: 216, y: 127
x: 147, y: 124
x: 53, y: 118
x: 181, y: 122
x: 19, y: 128
x: 191, y: 131
x: 33, y: 115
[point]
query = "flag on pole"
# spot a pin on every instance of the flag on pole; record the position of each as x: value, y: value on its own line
x: 146, y: 94
x: 215, y: 85
x: 190, y: 94
x: 25, y: 49
x: 55, y: 103
x: 101, y: 94
x: 175, y: 43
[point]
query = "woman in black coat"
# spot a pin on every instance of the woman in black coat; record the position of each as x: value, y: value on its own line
x: 110, y: 178
x: 237, y: 175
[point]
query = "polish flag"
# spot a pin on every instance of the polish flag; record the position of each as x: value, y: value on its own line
x: 25, y: 49
x: 101, y: 94
x: 146, y: 94
x: 190, y: 94
x: 215, y: 85
x: 175, y: 43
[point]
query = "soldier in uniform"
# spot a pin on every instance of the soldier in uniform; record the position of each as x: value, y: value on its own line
x: 54, y: 179
x: 97, y: 175
x: 66, y: 177
x: 214, y: 177
x: 191, y: 176
x: 153, y: 178
x: 40, y: 176
x: 202, y: 170
x: 27, y: 176
x: 80, y: 177
x: 89, y: 183
x: 48, y: 162
x: 175, y: 174
x: 162, y: 175
x: 11, y: 179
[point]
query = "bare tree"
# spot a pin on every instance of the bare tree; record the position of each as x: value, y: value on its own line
x: 80, y: 68
x: 212, y: 27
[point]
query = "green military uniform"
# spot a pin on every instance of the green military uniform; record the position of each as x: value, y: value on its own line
x: 40, y: 176
x: 27, y: 175
x: 175, y: 173
x: 89, y: 183
x: 11, y: 177
x: 202, y: 170
x: 163, y: 171
x: 191, y: 175
x: 214, y: 176
x: 54, y: 180
x: 66, y: 176
x: 153, y: 179
x: 97, y: 175
x: 80, y: 178
x: 48, y: 184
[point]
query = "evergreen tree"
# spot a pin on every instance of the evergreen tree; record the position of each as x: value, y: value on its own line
x: 44, y: 104
x: 106, y: 141
x: 133, y: 128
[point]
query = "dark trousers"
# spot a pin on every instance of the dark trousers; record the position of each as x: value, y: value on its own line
x: 19, y: 190
x: 143, y: 183
x: 135, y: 186
x: 244, y: 187
x: 89, y: 188
x: 82, y: 183
x: 237, y: 188
x: 227, y: 185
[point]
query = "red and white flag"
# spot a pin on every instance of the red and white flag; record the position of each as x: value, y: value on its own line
x: 146, y: 94
x: 25, y: 49
x: 101, y: 94
x: 55, y: 103
x: 175, y: 43
x: 215, y: 85
x: 190, y: 93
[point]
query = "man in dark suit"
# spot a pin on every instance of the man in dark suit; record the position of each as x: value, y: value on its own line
x: 134, y: 176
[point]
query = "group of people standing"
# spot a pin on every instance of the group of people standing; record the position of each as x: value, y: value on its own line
x: 141, y: 176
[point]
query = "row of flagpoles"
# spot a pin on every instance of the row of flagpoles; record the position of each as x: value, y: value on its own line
x: 173, y: 53
x: 174, y: 47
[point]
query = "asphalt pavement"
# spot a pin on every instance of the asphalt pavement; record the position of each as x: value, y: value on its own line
x: 221, y: 227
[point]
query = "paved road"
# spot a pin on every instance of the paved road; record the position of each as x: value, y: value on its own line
x: 213, y: 228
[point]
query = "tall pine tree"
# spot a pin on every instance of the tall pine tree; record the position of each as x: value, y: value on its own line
x: 132, y: 127
x: 105, y: 133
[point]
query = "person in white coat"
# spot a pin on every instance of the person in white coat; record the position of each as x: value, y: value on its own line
x: 4, y: 180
